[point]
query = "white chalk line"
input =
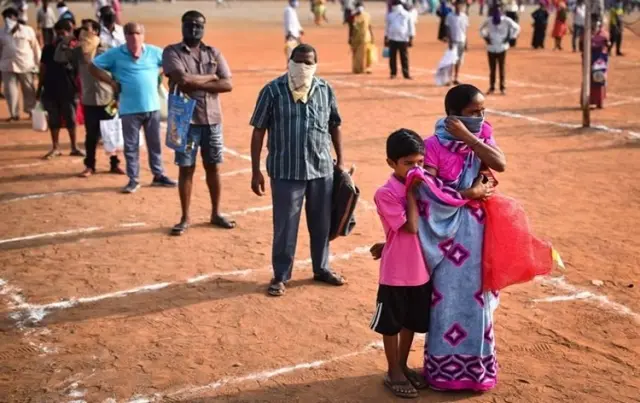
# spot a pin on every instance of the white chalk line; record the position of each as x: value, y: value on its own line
x: 25, y: 313
x: 255, y: 376
x: 35, y: 164
x: 583, y: 294
x: 532, y: 119
x: 39, y: 196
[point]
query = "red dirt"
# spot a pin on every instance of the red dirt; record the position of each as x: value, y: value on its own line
x: 579, y: 186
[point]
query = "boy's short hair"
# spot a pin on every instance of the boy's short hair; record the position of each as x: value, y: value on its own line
x: 63, y: 25
x: 402, y: 143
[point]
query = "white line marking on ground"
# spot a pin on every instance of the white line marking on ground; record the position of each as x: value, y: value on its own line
x: 549, y: 94
x: 562, y: 298
x: 233, y: 173
x: 35, y: 164
x: 24, y: 313
x: 248, y: 211
x: 51, y: 234
x: 256, y: 376
x: 39, y: 196
x: 603, y: 300
x: 604, y: 128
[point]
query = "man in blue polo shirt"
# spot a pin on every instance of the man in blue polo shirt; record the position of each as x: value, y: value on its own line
x: 134, y: 69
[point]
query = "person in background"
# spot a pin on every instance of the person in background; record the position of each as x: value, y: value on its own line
x: 96, y: 96
x: 404, y: 292
x: 348, y: 6
x: 64, y: 13
x: 183, y: 63
x: 616, y: 26
x: 19, y: 58
x: 512, y: 11
x: 457, y: 24
x: 579, y: 15
x: 292, y: 29
x: 22, y: 6
x: 540, y: 19
x: 319, y: 9
x: 46, y: 19
x: 134, y: 69
x: 299, y: 163
x: 442, y: 12
x: 560, y: 25
x: 481, y: 7
x: 111, y: 34
x: 57, y: 91
x: 360, y: 39
x: 398, y: 36
x: 497, y: 30
x: 600, y: 46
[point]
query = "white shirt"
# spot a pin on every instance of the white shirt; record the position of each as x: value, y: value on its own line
x: 291, y: 22
x: 458, y: 26
x: 579, y: 15
x: 399, y: 27
x: 498, y: 34
x: 112, y: 39
x: 19, y: 51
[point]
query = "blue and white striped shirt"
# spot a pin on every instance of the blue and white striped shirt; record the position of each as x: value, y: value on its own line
x: 299, y: 142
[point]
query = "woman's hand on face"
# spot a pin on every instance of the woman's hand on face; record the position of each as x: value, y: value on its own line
x: 457, y: 129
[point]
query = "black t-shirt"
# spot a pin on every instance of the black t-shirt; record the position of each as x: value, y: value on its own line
x: 59, y: 78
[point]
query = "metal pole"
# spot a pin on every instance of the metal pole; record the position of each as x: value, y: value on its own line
x: 586, y: 66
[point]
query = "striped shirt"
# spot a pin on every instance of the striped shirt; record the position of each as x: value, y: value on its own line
x: 299, y: 143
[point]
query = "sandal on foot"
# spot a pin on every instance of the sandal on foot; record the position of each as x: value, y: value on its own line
x: 76, y: 153
x: 52, y: 154
x: 87, y: 173
x: 402, y: 389
x: 416, y: 379
x: 276, y: 288
x: 179, y: 228
x: 330, y: 278
x: 221, y: 222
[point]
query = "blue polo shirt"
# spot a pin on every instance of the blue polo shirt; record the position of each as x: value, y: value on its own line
x: 138, y: 78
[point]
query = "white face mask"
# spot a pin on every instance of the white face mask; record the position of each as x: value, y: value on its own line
x: 301, y: 74
x: 294, y: 4
x: 62, y: 10
x: 359, y: 9
x: 10, y: 24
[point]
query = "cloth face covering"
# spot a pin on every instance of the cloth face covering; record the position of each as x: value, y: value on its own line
x: 300, y: 77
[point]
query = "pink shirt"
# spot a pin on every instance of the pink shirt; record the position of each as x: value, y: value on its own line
x: 402, y: 263
x: 449, y: 164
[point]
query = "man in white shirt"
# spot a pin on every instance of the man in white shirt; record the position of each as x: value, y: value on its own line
x: 19, y: 59
x: 111, y: 34
x: 292, y: 28
x: 579, y: 15
x: 398, y: 36
x: 497, y: 31
x: 457, y: 24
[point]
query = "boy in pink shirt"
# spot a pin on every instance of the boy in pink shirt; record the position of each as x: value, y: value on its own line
x: 404, y: 293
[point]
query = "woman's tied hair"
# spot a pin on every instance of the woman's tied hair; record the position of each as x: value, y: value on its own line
x: 403, y: 143
x: 459, y: 97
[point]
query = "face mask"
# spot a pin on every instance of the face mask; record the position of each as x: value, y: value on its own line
x: 10, y: 24
x: 472, y: 123
x: 192, y: 32
x: 294, y: 4
x: 301, y: 74
x: 359, y: 9
x: 62, y: 10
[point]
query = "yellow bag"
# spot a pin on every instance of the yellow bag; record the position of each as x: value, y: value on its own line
x: 372, y: 54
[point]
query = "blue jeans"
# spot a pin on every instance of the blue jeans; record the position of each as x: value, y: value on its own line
x: 288, y: 196
x: 207, y: 138
x: 131, y: 125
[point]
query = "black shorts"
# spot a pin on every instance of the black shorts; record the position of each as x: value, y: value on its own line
x: 57, y: 111
x: 402, y: 307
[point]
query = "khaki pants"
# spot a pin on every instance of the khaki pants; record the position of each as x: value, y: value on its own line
x: 11, y: 81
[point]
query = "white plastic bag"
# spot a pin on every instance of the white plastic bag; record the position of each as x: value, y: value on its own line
x: 163, y: 94
x: 112, y: 139
x: 39, y: 119
x: 450, y: 58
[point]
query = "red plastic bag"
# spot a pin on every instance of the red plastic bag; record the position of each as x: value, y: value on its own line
x: 511, y: 253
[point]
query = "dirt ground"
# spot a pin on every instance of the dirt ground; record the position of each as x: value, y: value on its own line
x: 219, y: 338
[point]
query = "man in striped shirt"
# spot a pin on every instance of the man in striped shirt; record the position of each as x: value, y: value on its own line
x: 300, y: 113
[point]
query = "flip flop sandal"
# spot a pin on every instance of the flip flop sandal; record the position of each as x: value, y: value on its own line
x: 416, y: 379
x: 52, y: 154
x: 276, y: 289
x: 222, y: 222
x: 330, y: 278
x: 179, y: 229
x: 402, y: 389
x: 76, y: 153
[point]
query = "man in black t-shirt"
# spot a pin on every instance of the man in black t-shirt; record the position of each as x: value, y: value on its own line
x: 57, y: 90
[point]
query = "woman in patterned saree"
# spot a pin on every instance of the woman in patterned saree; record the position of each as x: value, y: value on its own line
x: 460, y: 352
